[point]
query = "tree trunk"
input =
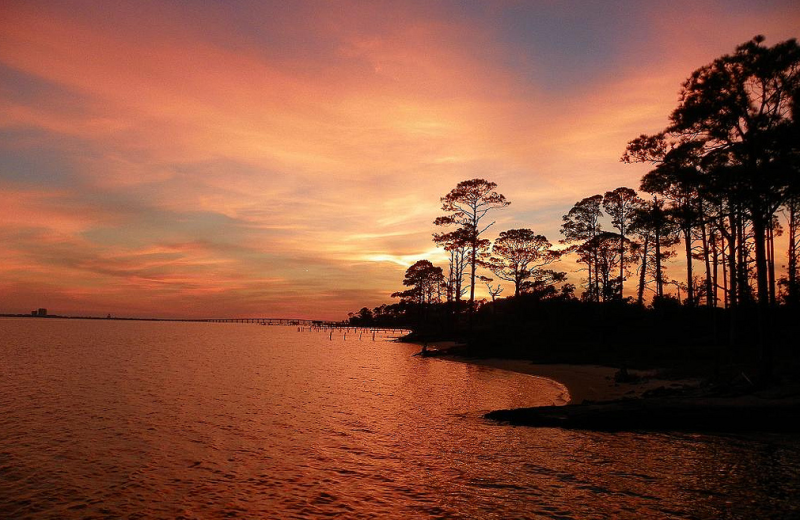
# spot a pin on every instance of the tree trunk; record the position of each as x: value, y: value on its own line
x: 792, y: 252
x: 459, y: 278
x: 771, y: 264
x: 621, y: 265
x: 659, y: 281
x: 765, y: 344
x: 743, y: 284
x: 724, y: 276
x: 596, y: 277
x: 473, y: 262
x: 706, y: 260
x: 643, y: 271
x: 759, y: 236
x: 733, y: 271
x: 733, y: 277
x: 687, y: 237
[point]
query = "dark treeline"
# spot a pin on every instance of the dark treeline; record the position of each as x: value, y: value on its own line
x: 723, y: 186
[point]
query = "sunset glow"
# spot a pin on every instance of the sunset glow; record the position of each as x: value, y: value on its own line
x: 287, y: 159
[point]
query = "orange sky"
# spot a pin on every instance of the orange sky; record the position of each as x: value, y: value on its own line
x: 287, y: 158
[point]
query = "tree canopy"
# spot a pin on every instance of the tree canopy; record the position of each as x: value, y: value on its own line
x: 519, y: 255
x: 466, y: 206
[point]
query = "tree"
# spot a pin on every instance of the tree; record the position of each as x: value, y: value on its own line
x: 651, y: 222
x: 604, y: 249
x: 621, y: 205
x: 365, y: 314
x: 790, y: 284
x: 425, y: 281
x: 582, y: 223
x: 467, y: 205
x: 740, y: 107
x: 519, y: 255
x: 723, y: 189
x: 739, y: 112
x: 494, y: 291
x: 543, y: 287
x: 458, y: 245
x: 677, y: 179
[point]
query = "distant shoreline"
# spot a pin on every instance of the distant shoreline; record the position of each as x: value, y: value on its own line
x: 119, y: 318
x: 269, y: 321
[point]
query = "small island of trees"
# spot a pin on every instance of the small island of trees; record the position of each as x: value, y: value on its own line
x: 724, y: 183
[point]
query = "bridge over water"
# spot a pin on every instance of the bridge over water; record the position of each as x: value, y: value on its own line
x: 309, y: 325
x: 275, y: 321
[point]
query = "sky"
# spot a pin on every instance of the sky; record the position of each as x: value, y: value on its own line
x: 287, y: 159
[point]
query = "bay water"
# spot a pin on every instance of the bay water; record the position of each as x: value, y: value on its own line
x: 132, y: 419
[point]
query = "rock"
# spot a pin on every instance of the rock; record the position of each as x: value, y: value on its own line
x: 660, y: 414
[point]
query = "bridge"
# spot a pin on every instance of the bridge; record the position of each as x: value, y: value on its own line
x: 306, y: 325
x: 273, y: 321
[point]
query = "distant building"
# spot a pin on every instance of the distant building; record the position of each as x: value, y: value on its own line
x: 33, y: 313
x: 41, y: 312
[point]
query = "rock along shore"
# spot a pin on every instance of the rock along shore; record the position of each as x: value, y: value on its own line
x: 729, y: 415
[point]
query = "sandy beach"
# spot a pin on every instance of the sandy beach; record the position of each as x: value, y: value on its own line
x: 583, y: 382
x: 595, y: 401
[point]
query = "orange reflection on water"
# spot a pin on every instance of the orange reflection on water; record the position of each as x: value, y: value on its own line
x: 167, y: 419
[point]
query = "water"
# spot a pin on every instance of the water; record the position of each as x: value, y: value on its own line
x: 112, y: 419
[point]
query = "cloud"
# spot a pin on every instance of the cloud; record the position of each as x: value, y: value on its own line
x: 250, y: 158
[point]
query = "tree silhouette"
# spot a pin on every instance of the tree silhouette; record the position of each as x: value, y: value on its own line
x: 790, y: 284
x: 458, y: 246
x: 723, y: 189
x: 738, y: 116
x: 653, y: 225
x: 582, y: 223
x: 621, y: 205
x: 739, y: 111
x: 519, y: 255
x: 604, y: 249
x: 494, y: 291
x: 425, y: 281
x: 467, y: 205
x: 677, y: 179
x: 365, y: 315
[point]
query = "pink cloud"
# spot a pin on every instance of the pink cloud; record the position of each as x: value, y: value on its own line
x: 317, y: 141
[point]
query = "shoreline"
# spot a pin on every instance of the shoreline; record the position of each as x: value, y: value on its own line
x: 583, y: 383
x: 595, y: 401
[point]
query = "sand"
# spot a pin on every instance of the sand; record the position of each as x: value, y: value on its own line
x: 583, y: 382
x: 597, y: 402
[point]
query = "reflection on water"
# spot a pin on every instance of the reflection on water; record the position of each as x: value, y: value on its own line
x: 121, y: 419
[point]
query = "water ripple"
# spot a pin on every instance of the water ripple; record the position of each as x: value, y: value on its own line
x: 180, y: 420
